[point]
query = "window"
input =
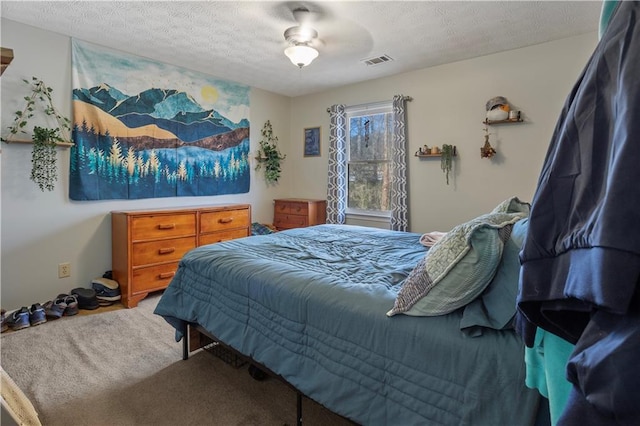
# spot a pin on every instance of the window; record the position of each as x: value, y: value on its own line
x: 369, y: 156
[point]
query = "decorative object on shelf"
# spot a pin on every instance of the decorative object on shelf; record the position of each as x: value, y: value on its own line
x: 497, y: 108
x: 487, y: 151
x: 43, y: 156
x: 499, y: 111
x: 446, y: 160
x: 268, y: 155
x: 432, y: 152
x: 422, y: 151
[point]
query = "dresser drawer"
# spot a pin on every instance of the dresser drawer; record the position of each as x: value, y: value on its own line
x: 152, y: 277
x: 162, y: 226
x: 218, y: 237
x: 286, y: 221
x: 224, y: 220
x: 292, y: 208
x: 151, y: 252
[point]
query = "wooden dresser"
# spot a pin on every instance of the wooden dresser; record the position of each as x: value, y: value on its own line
x: 298, y: 213
x: 148, y: 244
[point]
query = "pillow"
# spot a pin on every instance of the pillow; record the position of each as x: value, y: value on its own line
x: 496, y: 306
x: 460, y: 265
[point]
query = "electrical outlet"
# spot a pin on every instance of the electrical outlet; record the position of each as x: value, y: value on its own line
x: 64, y: 270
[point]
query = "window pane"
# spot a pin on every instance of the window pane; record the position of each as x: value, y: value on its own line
x: 369, y: 186
x: 369, y: 137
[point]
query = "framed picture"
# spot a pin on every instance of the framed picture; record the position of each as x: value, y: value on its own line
x: 312, y: 142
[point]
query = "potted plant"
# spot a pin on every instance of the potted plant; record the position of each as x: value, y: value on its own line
x: 45, y: 140
x: 446, y: 159
x: 268, y: 154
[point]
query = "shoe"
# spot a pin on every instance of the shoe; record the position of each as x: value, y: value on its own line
x: 5, y: 326
x: 72, y: 304
x: 19, y: 319
x: 86, y: 298
x: 106, y: 289
x: 55, y: 308
x: 37, y: 315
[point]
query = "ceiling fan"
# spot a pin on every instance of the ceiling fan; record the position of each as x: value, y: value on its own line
x: 301, y: 38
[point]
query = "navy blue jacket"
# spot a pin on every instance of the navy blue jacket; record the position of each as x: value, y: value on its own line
x: 581, y: 258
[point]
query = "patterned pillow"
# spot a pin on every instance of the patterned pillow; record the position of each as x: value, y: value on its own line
x: 459, y: 266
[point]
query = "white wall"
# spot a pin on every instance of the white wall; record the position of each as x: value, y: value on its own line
x: 41, y: 229
x: 448, y: 107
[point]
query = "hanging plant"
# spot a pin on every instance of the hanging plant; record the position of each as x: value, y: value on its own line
x: 269, y: 156
x: 43, y: 156
x: 446, y: 159
x: 44, y: 170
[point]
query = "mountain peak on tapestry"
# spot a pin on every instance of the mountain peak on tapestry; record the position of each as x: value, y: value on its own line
x: 145, y: 129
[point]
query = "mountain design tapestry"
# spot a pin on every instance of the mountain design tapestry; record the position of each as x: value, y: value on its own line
x: 145, y: 129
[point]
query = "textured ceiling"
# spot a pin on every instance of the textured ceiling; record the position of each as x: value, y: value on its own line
x: 243, y: 41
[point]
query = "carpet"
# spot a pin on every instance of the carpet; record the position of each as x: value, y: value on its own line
x: 124, y: 367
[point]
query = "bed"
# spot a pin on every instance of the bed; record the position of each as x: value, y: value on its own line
x: 312, y: 305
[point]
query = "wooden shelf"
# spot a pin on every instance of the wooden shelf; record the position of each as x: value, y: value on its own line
x: 60, y: 144
x: 455, y: 152
x: 507, y: 121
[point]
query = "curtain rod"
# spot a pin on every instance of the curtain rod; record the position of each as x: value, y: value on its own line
x: 406, y: 98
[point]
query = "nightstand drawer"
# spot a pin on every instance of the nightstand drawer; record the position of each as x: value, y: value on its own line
x: 151, y: 252
x: 292, y: 208
x: 224, y: 220
x: 286, y: 221
x: 162, y: 226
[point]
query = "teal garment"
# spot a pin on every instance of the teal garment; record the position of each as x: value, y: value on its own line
x: 546, y: 365
x: 608, y: 6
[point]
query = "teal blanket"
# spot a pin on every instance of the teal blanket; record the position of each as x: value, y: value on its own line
x: 310, y: 304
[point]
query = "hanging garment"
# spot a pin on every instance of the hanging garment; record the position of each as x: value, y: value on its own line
x: 581, y: 257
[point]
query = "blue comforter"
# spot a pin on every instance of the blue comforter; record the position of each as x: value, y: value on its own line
x: 311, y: 303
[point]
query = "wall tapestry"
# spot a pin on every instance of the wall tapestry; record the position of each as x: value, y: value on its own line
x: 145, y: 129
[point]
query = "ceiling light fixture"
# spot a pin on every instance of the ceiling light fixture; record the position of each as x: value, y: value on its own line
x: 300, y: 53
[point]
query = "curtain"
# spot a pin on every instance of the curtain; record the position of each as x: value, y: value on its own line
x: 337, y: 185
x: 399, y: 209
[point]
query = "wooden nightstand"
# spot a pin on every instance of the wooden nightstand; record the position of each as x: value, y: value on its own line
x: 299, y: 213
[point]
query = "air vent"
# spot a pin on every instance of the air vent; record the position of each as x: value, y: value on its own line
x: 377, y: 60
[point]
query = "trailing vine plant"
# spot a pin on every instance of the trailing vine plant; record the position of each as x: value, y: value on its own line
x: 268, y: 154
x: 446, y: 160
x: 43, y: 156
x: 44, y: 170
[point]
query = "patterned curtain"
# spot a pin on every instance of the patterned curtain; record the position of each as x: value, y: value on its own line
x: 337, y: 187
x: 399, y: 209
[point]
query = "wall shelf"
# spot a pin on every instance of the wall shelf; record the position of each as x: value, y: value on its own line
x: 507, y: 121
x: 60, y: 144
x: 455, y: 153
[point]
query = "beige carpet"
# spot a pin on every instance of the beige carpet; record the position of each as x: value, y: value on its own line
x: 125, y: 368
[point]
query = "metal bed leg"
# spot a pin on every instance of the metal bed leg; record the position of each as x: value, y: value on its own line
x: 185, y: 341
x: 299, y: 408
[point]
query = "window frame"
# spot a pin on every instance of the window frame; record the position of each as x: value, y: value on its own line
x: 384, y: 107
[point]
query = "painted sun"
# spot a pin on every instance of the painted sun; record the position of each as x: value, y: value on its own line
x: 209, y: 94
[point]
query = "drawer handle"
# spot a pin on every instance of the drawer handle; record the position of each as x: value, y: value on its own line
x: 166, y: 275
x: 225, y: 220
x: 166, y: 226
x: 167, y: 250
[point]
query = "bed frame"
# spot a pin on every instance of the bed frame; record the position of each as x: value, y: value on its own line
x: 196, y: 337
